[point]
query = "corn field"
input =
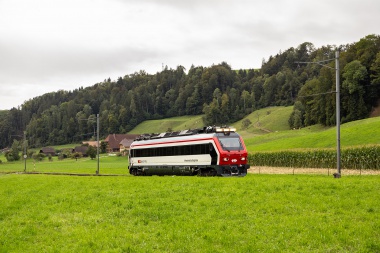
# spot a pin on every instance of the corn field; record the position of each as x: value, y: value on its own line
x: 352, y: 158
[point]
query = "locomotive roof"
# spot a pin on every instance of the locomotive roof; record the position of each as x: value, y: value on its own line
x: 204, y: 130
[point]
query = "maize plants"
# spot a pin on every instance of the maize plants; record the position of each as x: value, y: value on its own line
x: 351, y: 158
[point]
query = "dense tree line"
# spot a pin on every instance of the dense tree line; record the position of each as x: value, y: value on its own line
x: 221, y: 94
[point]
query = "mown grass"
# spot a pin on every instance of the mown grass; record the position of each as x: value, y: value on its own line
x: 357, y: 133
x: 257, y: 213
x: 263, y: 120
x: 107, y: 165
x: 175, y: 123
x: 270, y: 119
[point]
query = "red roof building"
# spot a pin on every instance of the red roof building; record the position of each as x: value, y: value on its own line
x: 48, y: 151
x: 114, y: 141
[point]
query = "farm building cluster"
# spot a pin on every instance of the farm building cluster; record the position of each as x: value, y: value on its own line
x: 115, y: 143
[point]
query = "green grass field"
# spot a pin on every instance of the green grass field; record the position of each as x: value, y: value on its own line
x: 270, y: 119
x: 257, y: 213
x: 162, y: 125
x: 107, y: 165
x: 357, y: 133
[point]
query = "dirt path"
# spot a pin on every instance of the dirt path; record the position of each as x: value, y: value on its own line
x: 325, y: 171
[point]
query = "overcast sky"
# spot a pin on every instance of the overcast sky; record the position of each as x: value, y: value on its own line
x: 51, y: 45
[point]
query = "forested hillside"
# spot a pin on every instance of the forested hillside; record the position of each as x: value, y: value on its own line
x: 222, y: 94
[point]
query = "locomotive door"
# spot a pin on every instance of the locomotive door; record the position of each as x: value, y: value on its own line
x: 214, y: 156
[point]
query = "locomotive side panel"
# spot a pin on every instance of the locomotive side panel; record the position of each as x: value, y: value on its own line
x: 215, y: 153
x: 189, y: 160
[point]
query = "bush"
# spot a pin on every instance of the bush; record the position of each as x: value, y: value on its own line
x: 39, y: 156
x: 9, y: 156
x: 91, y: 152
x: 245, y: 123
x: 30, y: 153
x: 76, y: 155
x: 66, y: 153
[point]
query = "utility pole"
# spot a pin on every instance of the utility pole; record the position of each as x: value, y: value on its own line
x: 97, y: 140
x: 337, y: 106
x: 25, y: 154
x: 337, y: 98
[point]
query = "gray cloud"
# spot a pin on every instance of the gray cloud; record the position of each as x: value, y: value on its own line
x: 64, y: 44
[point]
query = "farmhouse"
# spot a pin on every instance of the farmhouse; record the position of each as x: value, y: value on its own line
x: 91, y: 143
x: 81, y: 150
x: 47, y: 151
x: 114, y: 141
x: 125, y: 145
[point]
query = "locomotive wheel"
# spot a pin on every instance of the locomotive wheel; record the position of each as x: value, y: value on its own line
x: 208, y: 172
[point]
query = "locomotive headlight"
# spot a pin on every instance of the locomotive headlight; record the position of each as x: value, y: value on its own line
x: 225, y: 159
x: 243, y: 158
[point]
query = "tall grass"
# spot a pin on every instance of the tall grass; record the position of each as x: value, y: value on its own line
x: 352, y: 158
x: 257, y: 213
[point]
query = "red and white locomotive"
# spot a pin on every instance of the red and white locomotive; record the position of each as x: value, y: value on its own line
x: 211, y: 151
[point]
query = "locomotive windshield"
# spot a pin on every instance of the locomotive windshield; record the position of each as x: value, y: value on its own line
x: 230, y: 143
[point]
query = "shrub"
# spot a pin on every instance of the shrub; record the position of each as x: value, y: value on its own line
x: 91, y: 152
x: 9, y: 156
x: 39, y: 156
x: 245, y: 123
x: 30, y: 153
x: 76, y: 155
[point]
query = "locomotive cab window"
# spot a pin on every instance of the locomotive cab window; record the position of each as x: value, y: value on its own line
x: 230, y: 143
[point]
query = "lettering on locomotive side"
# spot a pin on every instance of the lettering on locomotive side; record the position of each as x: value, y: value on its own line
x: 191, y: 160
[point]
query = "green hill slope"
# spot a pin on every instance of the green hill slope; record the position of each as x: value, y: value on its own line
x: 266, y: 120
x: 269, y: 131
x: 175, y: 124
x: 356, y: 133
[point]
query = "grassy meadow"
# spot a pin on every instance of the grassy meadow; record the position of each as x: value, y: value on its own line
x: 162, y: 125
x: 356, y: 133
x: 257, y: 213
x: 84, y: 165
